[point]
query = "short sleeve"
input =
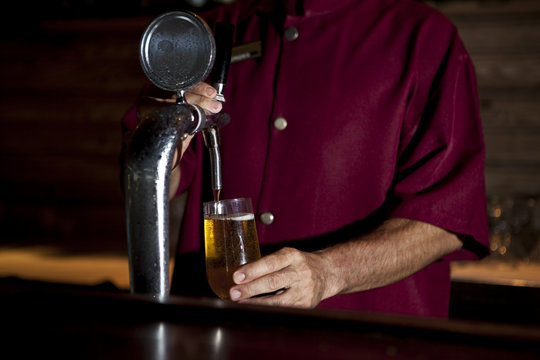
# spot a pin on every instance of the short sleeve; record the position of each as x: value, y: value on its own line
x: 439, y: 175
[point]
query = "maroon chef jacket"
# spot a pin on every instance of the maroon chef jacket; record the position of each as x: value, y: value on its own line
x: 380, y: 102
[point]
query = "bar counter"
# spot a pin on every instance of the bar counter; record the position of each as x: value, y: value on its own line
x: 78, y: 322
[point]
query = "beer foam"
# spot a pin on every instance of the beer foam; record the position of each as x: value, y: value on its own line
x: 244, y: 217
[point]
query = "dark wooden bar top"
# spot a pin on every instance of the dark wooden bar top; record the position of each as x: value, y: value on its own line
x: 100, y: 323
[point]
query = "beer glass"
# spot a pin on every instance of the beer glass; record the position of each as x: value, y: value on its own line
x: 230, y: 238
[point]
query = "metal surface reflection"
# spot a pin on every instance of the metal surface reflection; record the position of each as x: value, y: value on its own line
x: 217, y: 349
x: 148, y: 163
x: 161, y: 342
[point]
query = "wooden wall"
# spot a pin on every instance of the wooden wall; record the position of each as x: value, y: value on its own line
x: 503, y: 38
x: 64, y: 89
x: 65, y: 84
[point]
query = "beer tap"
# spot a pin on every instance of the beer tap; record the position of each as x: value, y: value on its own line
x: 224, y: 39
x: 177, y: 51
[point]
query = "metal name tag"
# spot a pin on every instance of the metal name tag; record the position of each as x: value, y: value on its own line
x: 246, y: 51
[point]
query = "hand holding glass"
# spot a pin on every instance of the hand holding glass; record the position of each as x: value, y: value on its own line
x: 230, y: 237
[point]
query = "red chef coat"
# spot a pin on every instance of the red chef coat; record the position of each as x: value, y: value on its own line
x: 380, y: 104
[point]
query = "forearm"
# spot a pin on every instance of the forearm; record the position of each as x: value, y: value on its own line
x: 395, y: 250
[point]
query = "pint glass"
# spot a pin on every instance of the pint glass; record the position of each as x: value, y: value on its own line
x: 230, y: 238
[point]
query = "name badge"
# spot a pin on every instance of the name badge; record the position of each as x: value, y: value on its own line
x: 247, y: 51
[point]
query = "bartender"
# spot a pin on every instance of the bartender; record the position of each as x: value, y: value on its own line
x: 356, y: 133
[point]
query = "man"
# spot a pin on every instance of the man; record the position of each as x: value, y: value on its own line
x: 358, y: 138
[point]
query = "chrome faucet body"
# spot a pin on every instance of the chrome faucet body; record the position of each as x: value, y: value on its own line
x: 148, y: 164
x: 177, y: 52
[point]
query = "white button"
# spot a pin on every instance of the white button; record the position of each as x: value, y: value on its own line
x: 291, y: 33
x: 280, y: 123
x: 267, y: 218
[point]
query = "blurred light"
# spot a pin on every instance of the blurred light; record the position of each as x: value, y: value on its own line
x: 196, y: 3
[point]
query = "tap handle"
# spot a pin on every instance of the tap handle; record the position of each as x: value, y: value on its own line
x: 224, y: 40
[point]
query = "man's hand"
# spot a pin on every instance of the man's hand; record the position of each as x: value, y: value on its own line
x: 290, y: 278
x: 396, y: 249
x: 202, y: 95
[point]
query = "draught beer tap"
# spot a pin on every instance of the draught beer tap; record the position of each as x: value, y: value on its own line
x: 177, y: 52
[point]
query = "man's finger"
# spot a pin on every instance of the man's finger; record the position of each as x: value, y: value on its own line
x: 265, y: 265
x: 267, y: 284
x: 208, y: 104
x: 203, y: 89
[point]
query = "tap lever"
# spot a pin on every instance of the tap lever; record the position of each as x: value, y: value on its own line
x: 224, y: 39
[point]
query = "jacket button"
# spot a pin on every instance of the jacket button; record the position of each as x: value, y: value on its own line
x: 267, y: 218
x: 280, y: 123
x: 291, y: 33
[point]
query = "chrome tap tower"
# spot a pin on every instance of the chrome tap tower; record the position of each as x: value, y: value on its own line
x: 177, y: 52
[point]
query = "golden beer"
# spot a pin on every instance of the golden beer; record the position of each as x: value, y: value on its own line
x: 230, y: 241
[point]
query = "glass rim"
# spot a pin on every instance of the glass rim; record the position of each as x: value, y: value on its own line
x: 227, y: 207
x: 233, y: 200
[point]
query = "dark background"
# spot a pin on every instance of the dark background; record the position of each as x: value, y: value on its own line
x: 69, y: 70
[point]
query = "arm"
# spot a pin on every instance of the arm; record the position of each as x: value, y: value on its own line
x: 395, y: 250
